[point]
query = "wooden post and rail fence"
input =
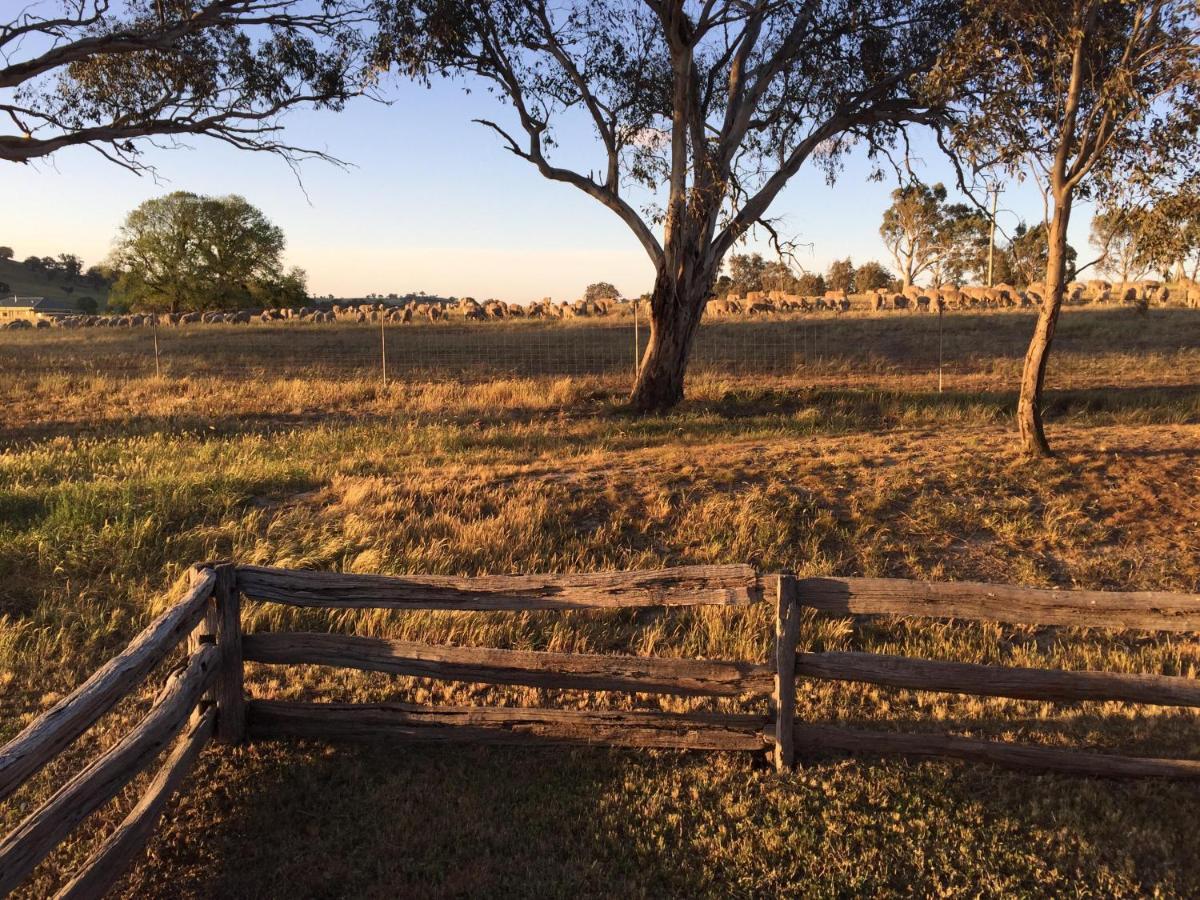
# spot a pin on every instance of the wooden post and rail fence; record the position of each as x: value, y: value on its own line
x: 204, y: 698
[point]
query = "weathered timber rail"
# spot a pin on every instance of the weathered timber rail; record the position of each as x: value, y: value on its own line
x: 204, y: 699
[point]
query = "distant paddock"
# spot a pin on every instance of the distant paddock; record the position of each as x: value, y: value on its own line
x: 1109, y: 345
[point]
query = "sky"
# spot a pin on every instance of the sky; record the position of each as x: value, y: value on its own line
x: 432, y: 202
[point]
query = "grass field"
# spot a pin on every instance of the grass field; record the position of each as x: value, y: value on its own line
x: 112, y: 481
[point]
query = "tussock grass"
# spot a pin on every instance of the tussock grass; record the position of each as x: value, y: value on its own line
x: 111, y: 485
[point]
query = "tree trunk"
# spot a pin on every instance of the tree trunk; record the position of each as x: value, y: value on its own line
x: 1033, y: 377
x: 676, y: 306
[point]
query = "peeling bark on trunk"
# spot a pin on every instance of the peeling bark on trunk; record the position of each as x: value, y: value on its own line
x: 676, y: 307
x: 1033, y: 377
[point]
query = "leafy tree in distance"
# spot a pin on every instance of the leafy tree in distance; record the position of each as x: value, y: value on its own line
x: 710, y: 107
x: 1028, y: 256
x: 70, y: 264
x: 287, y: 289
x: 778, y: 276
x: 1073, y: 93
x: 6, y: 252
x: 1122, y: 236
x: 811, y: 284
x: 923, y: 232
x: 187, y: 252
x: 601, y: 290
x: 841, y: 276
x: 86, y: 305
x: 873, y: 275
x: 723, y: 286
x: 746, y: 273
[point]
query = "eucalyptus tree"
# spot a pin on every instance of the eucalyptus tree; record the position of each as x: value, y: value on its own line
x: 925, y: 234
x: 114, y: 74
x: 701, y: 112
x: 1076, y: 94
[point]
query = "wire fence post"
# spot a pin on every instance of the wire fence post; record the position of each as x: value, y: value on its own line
x: 157, y: 364
x: 939, y: 349
x: 383, y: 346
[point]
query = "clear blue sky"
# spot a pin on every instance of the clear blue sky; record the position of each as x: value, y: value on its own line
x: 433, y: 202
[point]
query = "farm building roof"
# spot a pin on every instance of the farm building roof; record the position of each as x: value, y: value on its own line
x: 36, y: 304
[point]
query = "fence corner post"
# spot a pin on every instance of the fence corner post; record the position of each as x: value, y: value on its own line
x: 231, y: 704
x: 787, y: 634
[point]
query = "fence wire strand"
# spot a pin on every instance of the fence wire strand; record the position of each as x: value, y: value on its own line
x: 828, y: 347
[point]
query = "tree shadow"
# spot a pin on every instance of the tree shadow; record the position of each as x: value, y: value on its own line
x: 301, y: 820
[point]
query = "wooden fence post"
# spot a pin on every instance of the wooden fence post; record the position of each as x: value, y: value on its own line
x: 229, y: 691
x: 787, y: 633
x: 205, y: 632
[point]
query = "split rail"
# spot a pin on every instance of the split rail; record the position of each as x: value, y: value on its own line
x: 204, y: 699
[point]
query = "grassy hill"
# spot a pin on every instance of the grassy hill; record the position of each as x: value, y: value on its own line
x: 26, y: 282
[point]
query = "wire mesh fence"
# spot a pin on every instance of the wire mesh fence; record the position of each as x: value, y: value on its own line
x: 943, y: 347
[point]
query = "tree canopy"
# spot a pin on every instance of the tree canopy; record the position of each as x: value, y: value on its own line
x: 189, y: 252
x: 109, y: 74
x: 601, y: 290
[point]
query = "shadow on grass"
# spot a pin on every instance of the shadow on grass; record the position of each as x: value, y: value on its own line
x: 804, y: 411
x: 310, y: 820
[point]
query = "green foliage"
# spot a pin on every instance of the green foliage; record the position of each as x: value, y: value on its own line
x: 811, y: 284
x: 46, y: 277
x: 1121, y: 235
x: 750, y: 272
x: 601, y: 290
x: 841, y: 276
x: 188, y: 252
x: 110, y: 75
x: 1170, y: 233
x: 1024, y: 260
x: 6, y: 252
x: 746, y: 273
x: 87, y: 305
x: 927, y: 235
x: 873, y: 275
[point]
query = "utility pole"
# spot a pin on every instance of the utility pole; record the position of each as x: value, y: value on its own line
x: 994, y: 190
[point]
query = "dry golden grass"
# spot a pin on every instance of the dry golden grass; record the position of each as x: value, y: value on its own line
x: 108, y: 488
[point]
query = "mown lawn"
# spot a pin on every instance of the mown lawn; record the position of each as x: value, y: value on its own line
x: 110, y: 487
